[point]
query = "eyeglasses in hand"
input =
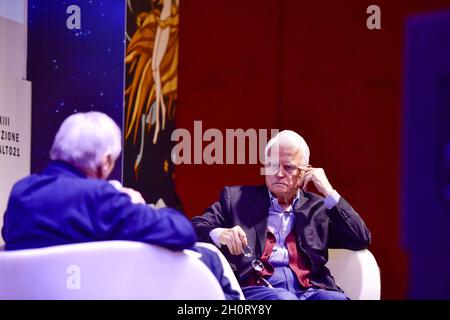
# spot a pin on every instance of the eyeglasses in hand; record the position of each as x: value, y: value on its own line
x: 257, y: 265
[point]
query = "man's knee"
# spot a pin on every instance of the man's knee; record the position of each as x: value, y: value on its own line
x: 321, y: 294
x: 264, y: 293
x: 282, y: 294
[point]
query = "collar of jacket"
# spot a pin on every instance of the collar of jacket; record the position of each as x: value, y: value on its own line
x: 56, y: 167
x: 274, y: 202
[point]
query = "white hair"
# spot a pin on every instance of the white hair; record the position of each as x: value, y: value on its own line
x: 83, y: 139
x: 289, y: 138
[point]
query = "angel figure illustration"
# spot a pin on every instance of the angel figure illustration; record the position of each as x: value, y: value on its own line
x: 152, y: 63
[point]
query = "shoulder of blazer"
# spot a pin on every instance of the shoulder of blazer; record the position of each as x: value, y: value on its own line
x: 307, y: 201
x: 252, y: 193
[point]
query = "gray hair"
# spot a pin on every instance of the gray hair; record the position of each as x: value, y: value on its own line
x: 83, y: 139
x: 289, y: 138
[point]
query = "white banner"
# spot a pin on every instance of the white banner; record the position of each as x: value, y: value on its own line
x: 15, y: 99
x: 15, y: 135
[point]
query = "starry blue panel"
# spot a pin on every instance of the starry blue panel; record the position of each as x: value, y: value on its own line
x: 74, y: 70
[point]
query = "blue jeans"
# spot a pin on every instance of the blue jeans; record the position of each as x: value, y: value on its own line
x: 286, y: 287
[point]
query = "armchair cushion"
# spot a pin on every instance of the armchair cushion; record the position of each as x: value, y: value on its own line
x: 105, y: 270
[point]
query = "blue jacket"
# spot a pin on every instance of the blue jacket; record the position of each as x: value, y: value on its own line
x: 61, y: 205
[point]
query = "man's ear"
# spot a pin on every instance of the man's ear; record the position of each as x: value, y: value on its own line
x: 108, y: 160
x: 106, y: 166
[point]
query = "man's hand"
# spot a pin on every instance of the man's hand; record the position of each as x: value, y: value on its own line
x: 135, y: 196
x: 318, y: 177
x: 234, y: 238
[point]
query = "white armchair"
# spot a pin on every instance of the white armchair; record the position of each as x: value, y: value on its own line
x: 134, y: 270
x: 356, y: 272
x: 105, y: 270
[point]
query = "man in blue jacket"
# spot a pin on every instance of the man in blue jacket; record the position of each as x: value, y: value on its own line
x: 70, y: 201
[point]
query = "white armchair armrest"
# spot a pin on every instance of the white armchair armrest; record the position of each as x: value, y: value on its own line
x: 355, y: 272
x: 105, y: 270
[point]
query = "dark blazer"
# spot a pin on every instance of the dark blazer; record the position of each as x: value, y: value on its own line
x: 61, y: 205
x: 317, y: 228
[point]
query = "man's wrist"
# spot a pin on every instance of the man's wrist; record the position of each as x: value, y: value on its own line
x: 332, y: 199
x: 214, y: 234
x: 328, y: 192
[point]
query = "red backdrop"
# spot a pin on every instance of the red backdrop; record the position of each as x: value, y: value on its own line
x: 315, y: 68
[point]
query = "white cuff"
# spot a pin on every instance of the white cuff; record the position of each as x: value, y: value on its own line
x: 215, y: 235
x: 331, y: 200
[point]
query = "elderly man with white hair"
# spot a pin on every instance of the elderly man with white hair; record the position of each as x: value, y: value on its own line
x: 70, y: 201
x: 276, y: 237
